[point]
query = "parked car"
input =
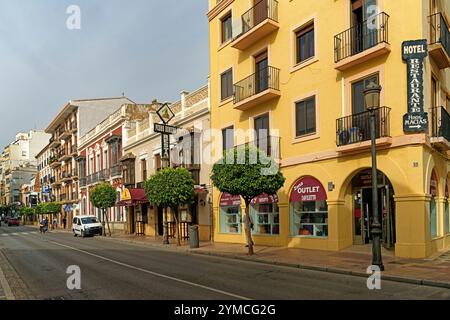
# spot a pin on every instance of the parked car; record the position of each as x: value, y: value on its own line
x: 13, y: 221
x: 86, y: 226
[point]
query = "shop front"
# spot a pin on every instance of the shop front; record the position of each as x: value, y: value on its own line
x: 136, y: 204
x: 230, y: 214
x: 265, y: 215
x: 363, y: 213
x: 308, y: 209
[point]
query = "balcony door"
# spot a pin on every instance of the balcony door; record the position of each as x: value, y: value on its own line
x: 261, y: 72
x: 360, y: 130
x: 262, y: 127
x: 260, y: 11
x: 364, y: 27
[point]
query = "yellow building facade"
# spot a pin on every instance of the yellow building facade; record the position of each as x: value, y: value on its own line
x: 299, y: 69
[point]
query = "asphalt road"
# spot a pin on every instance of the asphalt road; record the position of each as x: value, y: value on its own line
x: 35, y: 267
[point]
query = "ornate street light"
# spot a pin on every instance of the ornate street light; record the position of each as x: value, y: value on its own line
x: 372, y: 99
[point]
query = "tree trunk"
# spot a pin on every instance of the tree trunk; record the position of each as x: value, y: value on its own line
x: 248, y: 230
x: 107, y: 222
x: 103, y: 223
x: 175, y: 214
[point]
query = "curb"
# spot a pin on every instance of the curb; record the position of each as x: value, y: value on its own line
x: 399, y: 279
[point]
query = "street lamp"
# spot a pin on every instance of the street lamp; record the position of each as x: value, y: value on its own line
x: 372, y: 99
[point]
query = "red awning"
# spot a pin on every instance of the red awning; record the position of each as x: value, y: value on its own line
x: 308, y: 189
x: 228, y: 200
x: 132, y: 197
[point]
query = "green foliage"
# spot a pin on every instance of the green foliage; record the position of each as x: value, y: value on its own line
x: 170, y: 188
x: 248, y: 172
x: 26, y: 211
x: 104, y: 196
x: 48, y: 208
x: 3, y: 210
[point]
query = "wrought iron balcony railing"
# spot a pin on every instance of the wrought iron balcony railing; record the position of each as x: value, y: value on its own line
x: 439, y: 31
x: 261, y: 11
x: 116, y: 171
x: 264, y: 79
x: 356, y: 128
x: 440, y: 123
x: 362, y: 36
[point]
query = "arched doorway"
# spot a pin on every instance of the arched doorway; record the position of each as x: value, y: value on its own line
x: 362, y: 208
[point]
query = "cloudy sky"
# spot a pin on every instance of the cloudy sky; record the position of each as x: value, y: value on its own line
x: 144, y: 48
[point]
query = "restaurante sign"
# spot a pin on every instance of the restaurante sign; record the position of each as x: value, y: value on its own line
x: 414, y: 52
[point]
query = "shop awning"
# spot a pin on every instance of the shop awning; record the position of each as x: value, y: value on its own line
x: 200, y: 190
x: 132, y: 197
x: 265, y: 198
x: 308, y: 189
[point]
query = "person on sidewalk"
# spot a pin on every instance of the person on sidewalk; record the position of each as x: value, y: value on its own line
x: 251, y: 227
x: 54, y: 224
x: 64, y: 222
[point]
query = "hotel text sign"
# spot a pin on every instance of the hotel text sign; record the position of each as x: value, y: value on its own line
x: 414, y: 52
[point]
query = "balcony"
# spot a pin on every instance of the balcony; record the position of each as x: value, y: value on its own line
x: 116, y: 171
x: 65, y: 134
x: 62, y: 197
x: 65, y: 157
x: 65, y: 177
x: 54, y: 163
x: 269, y: 145
x: 73, y: 151
x: 83, y: 182
x: 439, y: 48
x: 258, y: 88
x: 257, y: 23
x: 440, y: 128
x: 362, y: 42
x: 54, y: 142
x: 353, y: 132
x: 103, y: 175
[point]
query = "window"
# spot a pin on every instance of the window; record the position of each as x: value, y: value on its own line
x: 226, y: 83
x: 144, y: 169
x: 310, y: 218
x: 265, y: 218
x: 105, y: 159
x: 305, y: 43
x: 305, y: 117
x: 227, y: 138
x: 230, y: 219
x: 434, y: 92
x: 358, y: 103
x: 158, y: 162
x: 227, y: 29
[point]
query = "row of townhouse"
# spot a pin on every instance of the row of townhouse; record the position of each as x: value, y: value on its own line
x: 113, y: 140
x: 18, y: 166
x: 296, y: 72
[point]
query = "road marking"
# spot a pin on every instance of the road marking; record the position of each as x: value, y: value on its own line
x: 151, y: 272
x: 5, y: 285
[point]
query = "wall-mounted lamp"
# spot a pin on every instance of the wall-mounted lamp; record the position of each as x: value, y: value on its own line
x: 330, y: 186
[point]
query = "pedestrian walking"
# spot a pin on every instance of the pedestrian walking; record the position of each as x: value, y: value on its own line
x: 54, y: 224
x: 64, y: 222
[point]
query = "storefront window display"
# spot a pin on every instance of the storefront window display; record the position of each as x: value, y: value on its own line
x: 309, y: 209
x: 265, y: 215
x: 230, y: 214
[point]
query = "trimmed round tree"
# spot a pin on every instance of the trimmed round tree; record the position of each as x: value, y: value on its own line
x: 170, y: 188
x: 248, y: 172
x: 103, y: 197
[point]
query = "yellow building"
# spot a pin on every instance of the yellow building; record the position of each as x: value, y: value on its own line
x: 299, y: 69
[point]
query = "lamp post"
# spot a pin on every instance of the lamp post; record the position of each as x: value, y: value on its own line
x: 372, y: 100
x: 164, y: 164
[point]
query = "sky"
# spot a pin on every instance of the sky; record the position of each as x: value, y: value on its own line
x: 145, y: 49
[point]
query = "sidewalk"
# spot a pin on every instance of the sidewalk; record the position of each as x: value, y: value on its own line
x: 353, y: 261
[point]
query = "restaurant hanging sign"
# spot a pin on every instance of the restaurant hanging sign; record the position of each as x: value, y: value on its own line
x: 414, y: 52
x: 228, y: 200
x: 308, y: 189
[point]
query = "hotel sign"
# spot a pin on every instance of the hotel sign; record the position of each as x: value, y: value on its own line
x: 414, y: 52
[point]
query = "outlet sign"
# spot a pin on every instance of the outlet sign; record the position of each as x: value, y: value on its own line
x: 414, y: 52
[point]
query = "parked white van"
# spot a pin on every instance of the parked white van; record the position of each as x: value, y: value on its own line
x: 86, y: 226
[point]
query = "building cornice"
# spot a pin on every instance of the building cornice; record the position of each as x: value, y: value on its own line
x: 218, y: 8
